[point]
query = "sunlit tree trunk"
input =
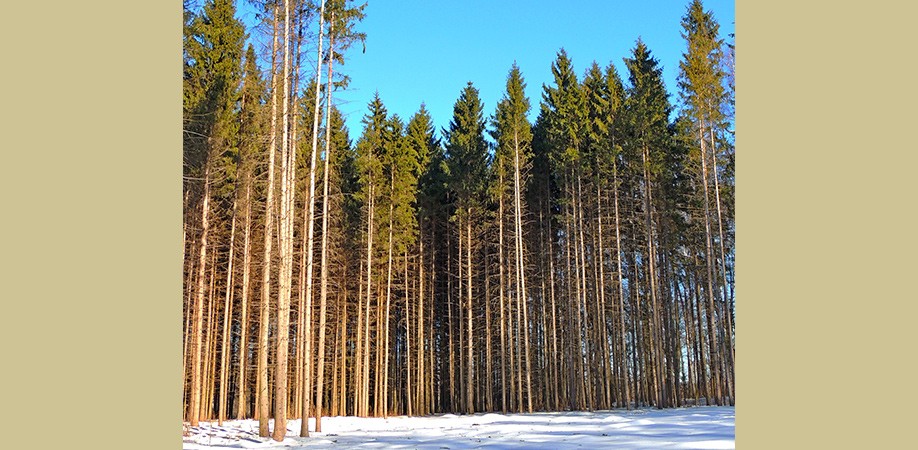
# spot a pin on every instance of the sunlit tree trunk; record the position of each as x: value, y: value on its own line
x: 323, y: 288
x: 264, y: 316
x: 194, y: 404
x: 227, y: 317
x: 242, y: 397
x: 310, y: 239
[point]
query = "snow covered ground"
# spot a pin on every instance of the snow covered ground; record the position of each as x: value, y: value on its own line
x: 691, y: 428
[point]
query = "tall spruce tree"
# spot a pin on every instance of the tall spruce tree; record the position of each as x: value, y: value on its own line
x: 647, y: 120
x: 370, y: 148
x: 467, y: 156
x: 513, y: 135
x: 564, y: 110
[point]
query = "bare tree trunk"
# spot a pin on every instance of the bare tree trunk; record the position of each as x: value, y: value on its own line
x: 262, y: 382
x: 296, y: 403
x: 601, y: 291
x: 518, y: 330
x: 194, y: 406
x: 187, y: 345
x: 210, y: 345
x: 655, y: 334
x: 366, y: 338
x: 359, y: 350
x: 323, y: 288
x: 521, y: 293
x: 242, y: 398
x: 554, y: 322
x: 469, y: 405
x: 310, y: 239
x: 227, y: 317
x: 585, y: 375
x: 286, y: 249
x: 431, y: 400
x: 709, y: 256
x: 419, y: 392
x: 449, y: 305
x: 503, y: 320
x: 342, y: 348
x: 489, y: 388
x: 408, y: 367
x: 385, y: 343
x: 621, y: 290
x: 728, y: 307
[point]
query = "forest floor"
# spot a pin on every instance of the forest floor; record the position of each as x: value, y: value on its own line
x: 695, y: 428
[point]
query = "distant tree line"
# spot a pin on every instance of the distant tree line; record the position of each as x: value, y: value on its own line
x: 581, y: 262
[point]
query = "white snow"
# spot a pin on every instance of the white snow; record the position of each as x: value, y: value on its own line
x: 682, y: 428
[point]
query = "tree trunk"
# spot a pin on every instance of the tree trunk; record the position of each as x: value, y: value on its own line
x: 227, y: 317
x: 655, y: 335
x: 419, y: 342
x: 728, y: 307
x: 709, y: 256
x: 521, y: 294
x: 195, y: 387
x: 286, y: 250
x: 621, y: 290
x: 263, y: 400
x: 469, y: 404
x: 242, y: 410
x: 503, y: 320
x: 323, y: 288
x: 385, y: 342
x: 365, y: 407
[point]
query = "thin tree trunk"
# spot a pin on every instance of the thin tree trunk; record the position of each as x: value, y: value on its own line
x: 366, y: 317
x: 210, y: 346
x: 728, y: 307
x: 621, y: 289
x: 323, y: 288
x: 655, y: 334
x: 286, y: 250
x: 408, y: 367
x: 262, y: 382
x: 503, y: 320
x: 242, y: 398
x: 310, y: 239
x: 419, y: 394
x: 195, y: 386
x: 449, y: 306
x: 359, y: 350
x: 227, y: 317
x: 342, y: 349
x: 712, y: 336
x: 385, y: 343
x: 585, y: 375
x: 521, y: 294
x: 469, y: 404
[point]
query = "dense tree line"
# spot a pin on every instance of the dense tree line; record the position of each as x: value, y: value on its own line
x: 584, y: 261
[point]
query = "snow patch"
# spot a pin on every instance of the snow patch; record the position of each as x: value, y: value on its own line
x: 694, y: 427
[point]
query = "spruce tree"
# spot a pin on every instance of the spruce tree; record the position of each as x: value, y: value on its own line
x: 513, y: 134
x: 565, y: 114
x: 647, y: 120
x: 467, y: 156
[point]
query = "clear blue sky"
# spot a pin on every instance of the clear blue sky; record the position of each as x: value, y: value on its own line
x: 425, y: 51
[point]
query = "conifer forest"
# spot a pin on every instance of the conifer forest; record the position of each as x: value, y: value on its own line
x: 583, y: 261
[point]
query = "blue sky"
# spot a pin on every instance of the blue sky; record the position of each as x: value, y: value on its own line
x: 425, y: 51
